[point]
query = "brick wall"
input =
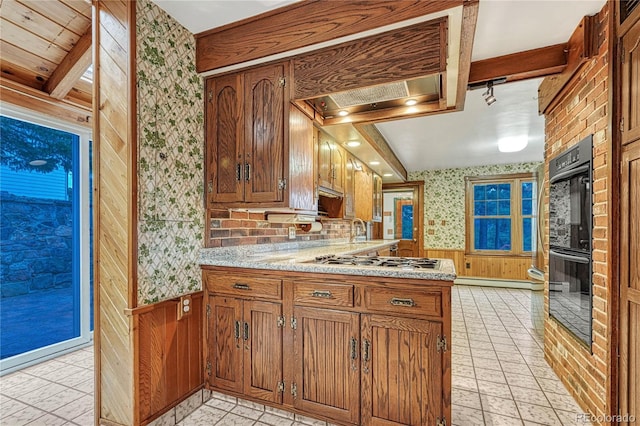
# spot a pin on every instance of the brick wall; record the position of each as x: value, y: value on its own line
x: 233, y: 228
x: 583, y: 110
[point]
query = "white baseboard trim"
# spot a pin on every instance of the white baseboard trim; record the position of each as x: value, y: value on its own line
x: 526, y: 285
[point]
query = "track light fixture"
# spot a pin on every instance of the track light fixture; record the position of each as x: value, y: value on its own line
x: 488, y: 95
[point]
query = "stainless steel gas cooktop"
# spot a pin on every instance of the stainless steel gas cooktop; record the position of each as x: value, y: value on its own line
x: 381, y: 261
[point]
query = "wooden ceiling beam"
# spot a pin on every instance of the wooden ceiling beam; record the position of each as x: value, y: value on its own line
x: 303, y: 24
x: 377, y: 141
x: 69, y: 71
x: 533, y: 63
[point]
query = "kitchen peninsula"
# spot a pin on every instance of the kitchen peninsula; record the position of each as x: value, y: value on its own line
x: 291, y: 326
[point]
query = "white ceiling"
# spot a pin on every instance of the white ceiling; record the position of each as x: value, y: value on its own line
x: 463, y: 138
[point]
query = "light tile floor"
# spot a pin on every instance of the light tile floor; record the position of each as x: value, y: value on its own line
x: 499, y: 376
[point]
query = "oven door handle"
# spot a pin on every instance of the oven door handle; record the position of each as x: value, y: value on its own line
x: 570, y: 257
x: 569, y: 173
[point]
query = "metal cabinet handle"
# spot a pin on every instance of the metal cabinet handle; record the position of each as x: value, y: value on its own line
x: 354, y: 348
x: 247, y: 171
x: 366, y: 349
x: 246, y: 331
x: 237, y: 330
x: 321, y: 293
x: 402, y: 302
x: 241, y: 286
x: 238, y: 172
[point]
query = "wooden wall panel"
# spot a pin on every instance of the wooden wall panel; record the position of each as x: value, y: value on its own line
x: 114, y: 135
x: 490, y: 267
x: 169, y: 355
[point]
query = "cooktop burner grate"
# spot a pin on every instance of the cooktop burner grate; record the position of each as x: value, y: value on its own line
x: 382, y: 261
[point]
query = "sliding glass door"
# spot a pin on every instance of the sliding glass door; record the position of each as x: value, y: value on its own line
x: 45, y: 281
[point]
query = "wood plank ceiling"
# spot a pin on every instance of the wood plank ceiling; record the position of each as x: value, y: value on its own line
x: 46, y: 46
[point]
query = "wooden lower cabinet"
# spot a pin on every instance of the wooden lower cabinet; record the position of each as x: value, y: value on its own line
x: 245, y: 347
x: 358, y: 350
x: 402, y: 380
x: 327, y: 373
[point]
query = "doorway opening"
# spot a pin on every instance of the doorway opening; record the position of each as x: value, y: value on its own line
x: 403, y: 217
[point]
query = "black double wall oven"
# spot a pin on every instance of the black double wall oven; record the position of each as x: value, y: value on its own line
x: 570, y: 232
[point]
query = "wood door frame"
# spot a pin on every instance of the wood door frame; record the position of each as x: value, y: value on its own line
x: 418, y: 191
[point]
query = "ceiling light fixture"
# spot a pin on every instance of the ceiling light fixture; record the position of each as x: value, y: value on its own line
x: 512, y: 144
x: 374, y: 163
x: 488, y: 95
x: 343, y: 113
x: 410, y: 102
x: 353, y: 144
x: 387, y: 175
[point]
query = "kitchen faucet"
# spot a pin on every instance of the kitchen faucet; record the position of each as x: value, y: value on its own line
x: 355, y: 235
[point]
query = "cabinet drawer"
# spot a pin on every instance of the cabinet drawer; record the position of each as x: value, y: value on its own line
x: 320, y: 293
x: 419, y: 303
x: 242, y: 285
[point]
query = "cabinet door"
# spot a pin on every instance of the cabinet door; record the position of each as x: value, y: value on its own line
x: 225, y: 345
x: 338, y: 160
x: 264, y: 101
x: 325, y: 167
x: 631, y: 85
x: 262, y: 350
x: 350, y: 188
x: 224, y: 139
x: 326, y: 375
x: 377, y: 198
x: 402, y: 375
x: 364, y: 194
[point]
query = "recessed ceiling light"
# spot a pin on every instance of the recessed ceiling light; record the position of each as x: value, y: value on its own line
x: 37, y: 163
x: 343, y: 113
x: 353, y: 144
x: 374, y: 163
x: 387, y: 174
x: 512, y: 144
x: 410, y: 102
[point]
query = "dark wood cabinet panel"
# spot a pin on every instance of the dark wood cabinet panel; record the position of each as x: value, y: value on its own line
x: 263, y: 350
x: 350, y: 188
x: 631, y: 85
x: 224, y: 133
x: 302, y: 161
x: 402, y: 375
x: 225, y: 345
x: 327, y: 380
x: 264, y: 133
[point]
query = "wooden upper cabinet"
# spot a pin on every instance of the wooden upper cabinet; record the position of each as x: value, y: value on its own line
x: 225, y: 150
x: 350, y: 171
x: 259, y: 148
x: 377, y: 198
x: 326, y: 348
x: 331, y: 164
x: 631, y: 84
x: 364, y: 193
x: 264, y: 133
x: 402, y: 374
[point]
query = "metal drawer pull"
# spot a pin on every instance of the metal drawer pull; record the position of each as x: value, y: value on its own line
x: 321, y: 293
x: 402, y: 302
x: 354, y: 348
x: 237, y: 330
x: 241, y: 286
x: 366, y: 346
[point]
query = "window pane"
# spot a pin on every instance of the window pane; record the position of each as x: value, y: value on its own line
x: 504, y: 207
x: 527, y: 207
x: 492, y: 192
x: 504, y: 191
x: 479, y: 208
x: 527, y: 232
x: 478, y: 192
x: 492, y: 234
x: 492, y: 208
x: 527, y: 190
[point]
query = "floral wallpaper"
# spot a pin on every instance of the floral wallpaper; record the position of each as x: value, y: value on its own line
x: 444, y: 200
x: 170, y: 157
